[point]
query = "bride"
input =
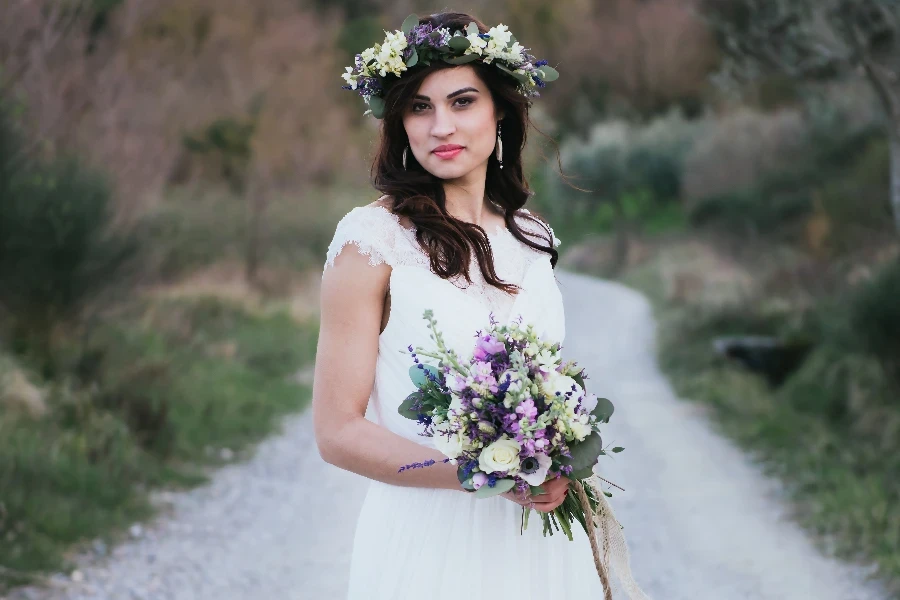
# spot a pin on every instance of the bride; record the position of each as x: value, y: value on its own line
x: 450, y: 234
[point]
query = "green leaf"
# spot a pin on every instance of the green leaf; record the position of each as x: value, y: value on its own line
x: 418, y: 375
x: 376, y: 104
x: 579, y: 379
x: 618, y: 449
x: 536, y: 489
x: 604, y: 410
x: 409, y: 22
x: 459, y: 43
x: 461, y: 60
x: 472, y: 29
x: 459, y: 473
x: 584, y: 454
x: 521, y: 77
x: 413, y: 59
x: 548, y: 73
x: 607, y: 494
x: 581, y: 473
x: 502, y: 486
x: 406, y: 410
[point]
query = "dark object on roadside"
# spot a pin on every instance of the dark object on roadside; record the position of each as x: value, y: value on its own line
x: 771, y: 357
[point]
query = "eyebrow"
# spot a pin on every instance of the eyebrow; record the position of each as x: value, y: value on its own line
x: 449, y: 96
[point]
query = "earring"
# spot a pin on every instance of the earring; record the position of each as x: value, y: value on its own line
x: 499, y: 144
x: 404, y: 157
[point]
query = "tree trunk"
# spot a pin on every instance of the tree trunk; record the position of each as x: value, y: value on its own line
x: 895, y: 174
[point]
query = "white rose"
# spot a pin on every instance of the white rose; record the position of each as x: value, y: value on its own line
x: 502, y: 455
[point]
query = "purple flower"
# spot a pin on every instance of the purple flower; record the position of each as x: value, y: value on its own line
x: 479, y: 479
x: 487, y: 346
x: 527, y: 409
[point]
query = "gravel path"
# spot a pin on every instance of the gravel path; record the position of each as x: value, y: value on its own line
x: 701, y: 521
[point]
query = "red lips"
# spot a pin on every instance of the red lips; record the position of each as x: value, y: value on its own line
x: 447, y: 151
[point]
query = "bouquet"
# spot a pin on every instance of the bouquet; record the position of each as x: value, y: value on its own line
x: 512, y: 416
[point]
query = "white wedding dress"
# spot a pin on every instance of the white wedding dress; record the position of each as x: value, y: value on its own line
x: 433, y: 544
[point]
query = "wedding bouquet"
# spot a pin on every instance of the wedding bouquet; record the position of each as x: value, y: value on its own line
x: 512, y: 415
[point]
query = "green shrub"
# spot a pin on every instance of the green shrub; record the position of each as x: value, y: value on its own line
x: 56, y: 251
x: 875, y: 318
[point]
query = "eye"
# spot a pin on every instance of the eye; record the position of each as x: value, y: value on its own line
x: 416, y: 105
x: 467, y: 101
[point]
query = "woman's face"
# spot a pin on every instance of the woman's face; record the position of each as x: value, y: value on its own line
x: 451, y: 123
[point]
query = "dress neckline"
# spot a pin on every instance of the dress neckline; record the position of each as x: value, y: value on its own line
x: 499, y: 230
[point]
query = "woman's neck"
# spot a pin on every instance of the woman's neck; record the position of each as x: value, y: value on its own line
x: 468, y: 203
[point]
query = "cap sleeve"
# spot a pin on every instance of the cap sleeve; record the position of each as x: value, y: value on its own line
x: 370, y: 230
x: 555, y: 241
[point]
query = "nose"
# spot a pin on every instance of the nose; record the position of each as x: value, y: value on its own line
x: 443, y: 124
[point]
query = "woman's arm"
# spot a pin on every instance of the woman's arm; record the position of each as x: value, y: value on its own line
x: 352, y: 302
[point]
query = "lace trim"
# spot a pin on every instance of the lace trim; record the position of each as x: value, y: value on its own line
x: 378, y: 234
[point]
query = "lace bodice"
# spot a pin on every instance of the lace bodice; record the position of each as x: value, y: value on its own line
x: 378, y: 234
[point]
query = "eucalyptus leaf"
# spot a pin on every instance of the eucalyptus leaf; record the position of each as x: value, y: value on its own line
x: 406, y: 407
x: 536, y: 489
x: 501, y: 487
x: 461, y: 60
x: 581, y: 473
x: 408, y: 23
x: 548, y: 73
x: 459, y: 43
x: 585, y: 453
x: 604, y: 410
x: 376, y: 105
x: 520, y: 77
x: 579, y: 379
x: 618, y: 449
x: 468, y: 485
x: 417, y: 375
x: 472, y: 29
x: 459, y: 472
x: 413, y: 58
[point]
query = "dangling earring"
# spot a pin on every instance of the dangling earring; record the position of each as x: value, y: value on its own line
x: 499, y: 144
x: 404, y: 157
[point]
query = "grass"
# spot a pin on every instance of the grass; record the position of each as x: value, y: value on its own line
x: 146, y: 402
x: 830, y: 433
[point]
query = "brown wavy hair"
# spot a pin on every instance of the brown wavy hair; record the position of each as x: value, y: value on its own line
x: 418, y: 195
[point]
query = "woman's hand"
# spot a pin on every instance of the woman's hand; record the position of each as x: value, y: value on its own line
x: 554, y: 494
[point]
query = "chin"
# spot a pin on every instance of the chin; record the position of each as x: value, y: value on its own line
x: 446, y: 170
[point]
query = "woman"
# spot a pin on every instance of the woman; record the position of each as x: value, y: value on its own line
x: 449, y: 234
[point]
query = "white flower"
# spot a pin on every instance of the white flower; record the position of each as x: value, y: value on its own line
x: 538, y: 476
x: 450, y: 443
x: 546, y: 358
x: 350, y: 78
x: 500, y: 35
x: 502, y: 455
x: 589, y: 403
x: 476, y: 44
x: 562, y: 384
x: 580, y: 429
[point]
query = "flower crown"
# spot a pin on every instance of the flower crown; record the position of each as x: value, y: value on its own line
x: 415, y: 44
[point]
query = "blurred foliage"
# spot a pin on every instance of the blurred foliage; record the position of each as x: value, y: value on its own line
x: 57, y: 251
x: 153, y: 393
x: 875, y: 319
x: 226, y: 144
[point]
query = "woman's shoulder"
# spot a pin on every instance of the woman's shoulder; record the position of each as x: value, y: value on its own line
x: 373, y: 229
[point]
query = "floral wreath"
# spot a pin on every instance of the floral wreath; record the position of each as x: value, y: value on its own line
x: 415, y: 44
